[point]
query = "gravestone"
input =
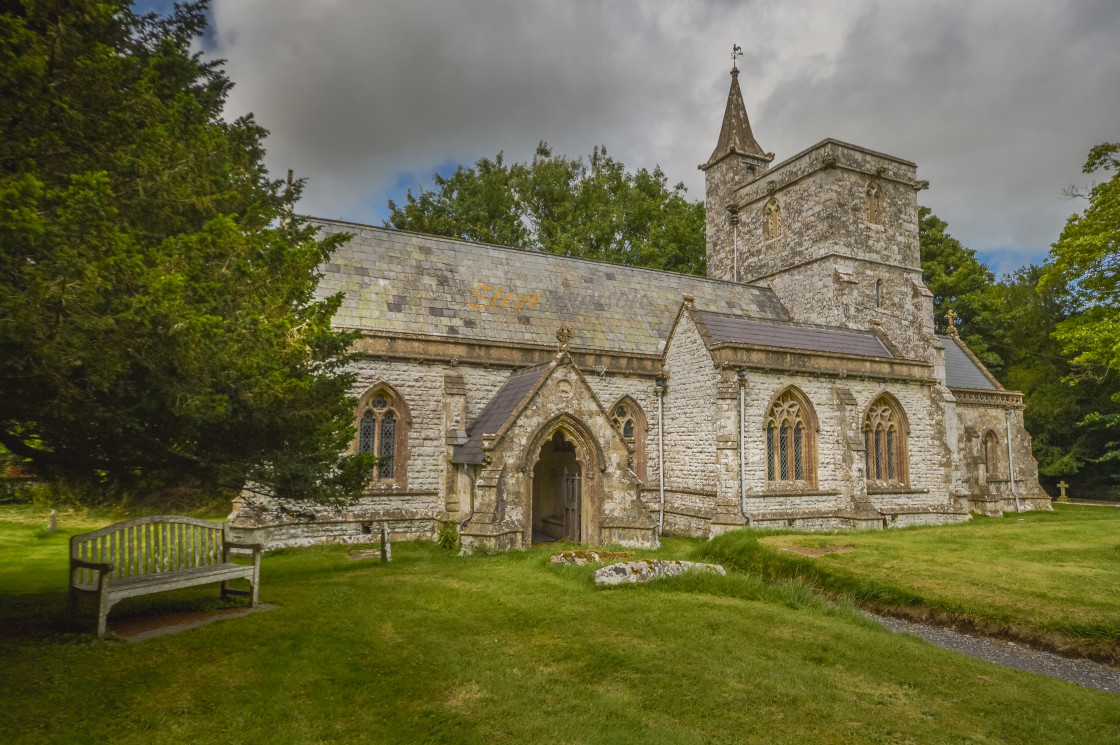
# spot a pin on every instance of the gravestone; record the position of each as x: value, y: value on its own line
x: 1063, y: 486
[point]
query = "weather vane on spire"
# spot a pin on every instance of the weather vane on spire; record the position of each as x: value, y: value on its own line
x: 736, y: 52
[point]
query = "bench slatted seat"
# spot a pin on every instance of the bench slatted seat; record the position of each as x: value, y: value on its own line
x: 155, y: 554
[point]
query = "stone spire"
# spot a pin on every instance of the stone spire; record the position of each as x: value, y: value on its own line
x: 735, y: 135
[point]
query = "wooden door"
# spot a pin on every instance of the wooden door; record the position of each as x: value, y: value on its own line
x: 572, y: 507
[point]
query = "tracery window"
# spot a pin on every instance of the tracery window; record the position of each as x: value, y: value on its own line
x: 631, y: 420
x: 884, y: 440
x: 772, y: 220
x: 382, y: 431
x: 874, y: 203
x: 791, y: 441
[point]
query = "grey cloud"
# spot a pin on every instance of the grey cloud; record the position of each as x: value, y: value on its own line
x: 997, y: 103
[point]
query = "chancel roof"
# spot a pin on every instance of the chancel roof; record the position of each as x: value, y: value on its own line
x: 961, y: 370
x: 496, y: 412
x: 407, y: 283
x: 734, y: 329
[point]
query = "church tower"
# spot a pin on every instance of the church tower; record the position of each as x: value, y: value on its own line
x: 737, y: 158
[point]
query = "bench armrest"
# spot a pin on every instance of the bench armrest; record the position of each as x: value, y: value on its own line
x: 101, y: 566
x: 246, y: 546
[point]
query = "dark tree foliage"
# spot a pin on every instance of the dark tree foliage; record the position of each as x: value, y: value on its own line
x: 961, y: 283
x: 588, y: 207
x: 158, y: 325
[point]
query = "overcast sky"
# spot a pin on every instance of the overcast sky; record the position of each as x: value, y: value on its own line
x: 997, y: 102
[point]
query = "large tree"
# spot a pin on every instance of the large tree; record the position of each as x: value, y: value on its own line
x: 1086, y: 260
x: 589, y: 207
x: 158, y: 323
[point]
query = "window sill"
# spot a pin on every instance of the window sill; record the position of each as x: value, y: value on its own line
x: 796, y: 492
x: 894, y: 489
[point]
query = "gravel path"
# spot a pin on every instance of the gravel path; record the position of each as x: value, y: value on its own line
x: 1009, y: 654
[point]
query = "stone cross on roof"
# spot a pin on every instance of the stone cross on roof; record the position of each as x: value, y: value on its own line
x: 952, y: 317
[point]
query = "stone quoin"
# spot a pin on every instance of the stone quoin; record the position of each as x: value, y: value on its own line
x: 522, y: 397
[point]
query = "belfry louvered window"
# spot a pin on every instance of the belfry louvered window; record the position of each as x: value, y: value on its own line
x: 884, y: 441
x: 790, y: 442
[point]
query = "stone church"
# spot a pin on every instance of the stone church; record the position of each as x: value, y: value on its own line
x: 522, y: 397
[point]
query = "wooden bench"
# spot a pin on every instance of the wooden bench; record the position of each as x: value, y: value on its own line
x: 155, y: 554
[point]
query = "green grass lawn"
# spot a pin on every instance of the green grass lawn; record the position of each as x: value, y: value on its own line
x: 434, y: 648
x: 1052, y: 579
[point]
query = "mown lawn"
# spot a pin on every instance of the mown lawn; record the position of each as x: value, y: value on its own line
x: 1053, y: 578
x: 434, y: 648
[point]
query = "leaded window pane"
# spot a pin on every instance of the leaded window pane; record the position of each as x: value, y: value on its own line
x: 620, y: 412
x: 770, y: 452
x: 878, y: 454
x: 628, y: 428
x: 890, y: 455
x: 378, y: 403
x: 366, y: 432
x: 798, y: 468
x: 388, y: 445
x: 867, y: 453
x: 783, y: 454
x: 987, y: 465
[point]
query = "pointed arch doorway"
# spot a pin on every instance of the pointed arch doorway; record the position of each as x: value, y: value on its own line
x: 557, y: 499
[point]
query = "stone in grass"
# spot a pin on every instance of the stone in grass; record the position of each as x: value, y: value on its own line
x: 588, y: 557
x: 648, y: 570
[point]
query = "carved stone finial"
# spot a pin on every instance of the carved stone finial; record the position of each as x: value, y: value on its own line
x: 952, y: 318
x: 564, y: 336
x: 689, y: 300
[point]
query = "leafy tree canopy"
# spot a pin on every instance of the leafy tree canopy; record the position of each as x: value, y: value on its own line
x: 158, y: 324
x: 589, y: 207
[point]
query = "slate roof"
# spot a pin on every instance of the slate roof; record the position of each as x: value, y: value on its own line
x: 496, y: 412
x: 960, y: 370
x: 724, y: 327
x: 409, y: 283
x: 735, y: 136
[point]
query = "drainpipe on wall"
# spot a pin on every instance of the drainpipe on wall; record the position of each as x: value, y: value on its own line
x: 661, y: 454
x: 734, y: 242
x: 1011, y: 459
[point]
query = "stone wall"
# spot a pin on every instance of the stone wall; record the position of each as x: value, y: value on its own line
x: 690, y: 421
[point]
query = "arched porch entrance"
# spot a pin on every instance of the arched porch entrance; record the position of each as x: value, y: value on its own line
x: 557, y: 499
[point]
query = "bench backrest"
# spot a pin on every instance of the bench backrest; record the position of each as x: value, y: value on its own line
x: 146, y: 545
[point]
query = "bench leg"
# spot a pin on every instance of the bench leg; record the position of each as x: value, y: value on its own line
x: 253, y: 589
x: 104, y: 605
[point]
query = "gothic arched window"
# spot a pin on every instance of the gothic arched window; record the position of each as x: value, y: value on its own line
x: 772, y: 220
x: 884, y: 440
x: 791, y: 443
x: 631, y: 420
x: 874, y: 204
x: 383, y: 431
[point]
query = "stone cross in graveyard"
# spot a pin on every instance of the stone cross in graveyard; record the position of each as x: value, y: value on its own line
x: 1063, y: 486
